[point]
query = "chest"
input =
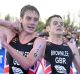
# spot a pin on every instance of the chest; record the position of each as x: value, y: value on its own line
x: 59, y: 54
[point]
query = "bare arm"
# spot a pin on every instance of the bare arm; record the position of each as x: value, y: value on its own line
x: 7, y: 32
x: 76, y: 59
x: 35, y: 54
x: 16, y: 26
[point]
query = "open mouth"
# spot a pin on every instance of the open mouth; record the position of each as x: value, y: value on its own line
x: 59, y: 29
x: 30, y: 27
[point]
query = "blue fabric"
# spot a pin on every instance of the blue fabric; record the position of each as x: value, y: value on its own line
x: 2, y: 56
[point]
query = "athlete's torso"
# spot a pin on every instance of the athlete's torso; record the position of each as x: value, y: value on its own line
x: 60, y: 57
x: 24, y: 49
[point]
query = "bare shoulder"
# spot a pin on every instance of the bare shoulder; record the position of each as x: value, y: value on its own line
x: 39, y: 43
x: 40, y: 40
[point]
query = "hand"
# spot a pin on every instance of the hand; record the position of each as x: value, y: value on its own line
x: 73, y: 48
x: 18, y: 25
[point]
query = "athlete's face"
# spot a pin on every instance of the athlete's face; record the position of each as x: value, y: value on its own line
x: 30, y: 21
x: 56, y: 26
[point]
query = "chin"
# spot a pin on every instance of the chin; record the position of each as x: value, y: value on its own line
x: 59, y: 33
x: 29, y: 32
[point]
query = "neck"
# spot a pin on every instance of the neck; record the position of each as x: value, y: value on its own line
x: 56, y: 39
x: 25, y: 37
x: 25, y: 34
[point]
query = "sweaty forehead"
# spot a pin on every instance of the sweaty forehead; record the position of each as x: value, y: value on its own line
x: 57, y: 19
x: 31, y: 13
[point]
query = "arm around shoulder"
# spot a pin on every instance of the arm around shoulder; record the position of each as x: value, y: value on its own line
x: 11, y: 25
x: 37, y: 52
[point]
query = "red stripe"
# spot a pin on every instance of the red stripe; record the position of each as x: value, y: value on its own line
x: 48, y: 70
x: 6, y: 70
x: 30, y: 72
x: 71, y: 71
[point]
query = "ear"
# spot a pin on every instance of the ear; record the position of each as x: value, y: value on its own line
x: 21, y: 26
x: 20, y: 20
x: 48, y: 28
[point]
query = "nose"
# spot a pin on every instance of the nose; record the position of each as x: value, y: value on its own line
x: 32, y: 22
x: 59, y: 24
